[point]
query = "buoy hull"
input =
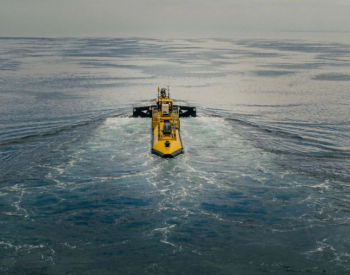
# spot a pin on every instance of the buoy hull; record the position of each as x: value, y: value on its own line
x: 166, y: 146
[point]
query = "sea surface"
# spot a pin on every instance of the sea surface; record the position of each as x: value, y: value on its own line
x: 262, y: 188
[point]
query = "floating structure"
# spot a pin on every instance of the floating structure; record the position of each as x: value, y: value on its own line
x: 166, y: 138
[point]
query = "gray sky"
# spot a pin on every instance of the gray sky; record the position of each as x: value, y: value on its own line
x: 168, y: 18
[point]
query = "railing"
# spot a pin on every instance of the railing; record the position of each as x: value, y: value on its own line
x: 158, y: 118
x: 176, y: 110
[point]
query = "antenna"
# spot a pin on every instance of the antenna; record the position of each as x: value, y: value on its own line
x: 168, y: 92
x: 158, y: 99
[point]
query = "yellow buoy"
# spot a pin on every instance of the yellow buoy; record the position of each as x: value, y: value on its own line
x: 166, y: 140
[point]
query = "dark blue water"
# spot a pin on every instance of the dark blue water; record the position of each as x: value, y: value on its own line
x: 263, y: 186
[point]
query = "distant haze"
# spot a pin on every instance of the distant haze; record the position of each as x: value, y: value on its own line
x: 165, y: 18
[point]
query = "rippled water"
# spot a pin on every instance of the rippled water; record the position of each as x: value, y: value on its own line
x: 263, y: 186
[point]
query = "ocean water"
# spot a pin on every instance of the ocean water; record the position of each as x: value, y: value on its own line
x: 262, y: 188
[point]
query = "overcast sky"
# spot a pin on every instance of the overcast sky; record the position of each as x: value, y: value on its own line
x: 168, y: 18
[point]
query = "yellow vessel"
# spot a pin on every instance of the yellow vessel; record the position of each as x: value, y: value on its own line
x: 166, y: 139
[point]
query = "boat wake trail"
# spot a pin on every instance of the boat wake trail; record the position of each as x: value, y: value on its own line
x: 226, y: 186
x: 299, y: 147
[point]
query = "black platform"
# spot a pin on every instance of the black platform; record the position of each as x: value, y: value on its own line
x: 146, y: 111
